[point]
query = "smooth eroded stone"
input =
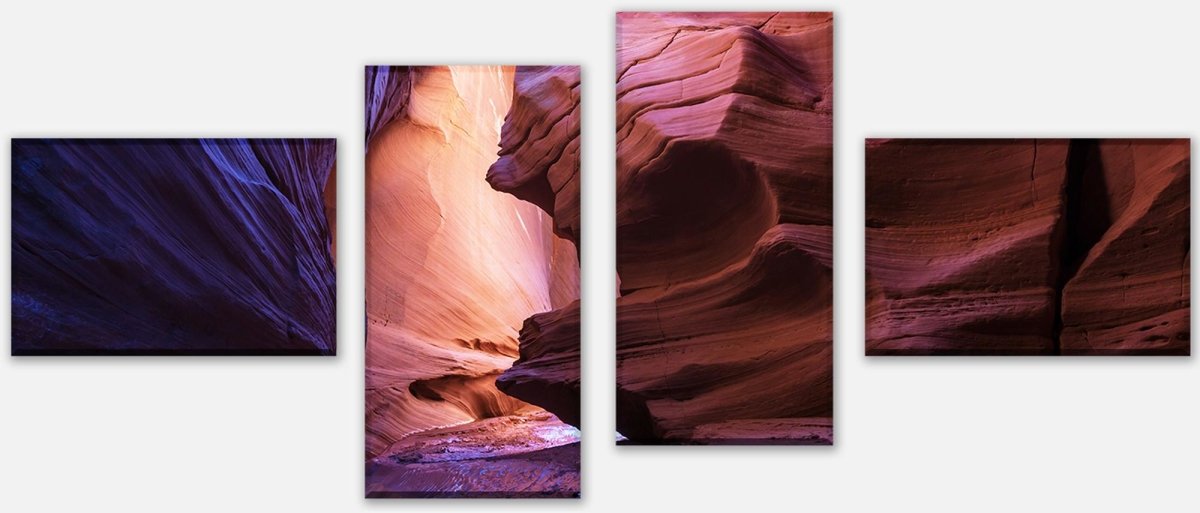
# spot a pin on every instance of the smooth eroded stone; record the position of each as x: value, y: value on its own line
x: 751, y: 343
x: 172, y: 246
x: 724, y: 227
x: 461, y: 254
x: 1131, y: 293
x: 1028, y: 247
x: 724, y: 129
x: 960, y: 249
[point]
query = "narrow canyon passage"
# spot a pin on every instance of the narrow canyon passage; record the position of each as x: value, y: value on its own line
x: 1067, y: 247
x: 1127, y: 258
x: 454, y: 269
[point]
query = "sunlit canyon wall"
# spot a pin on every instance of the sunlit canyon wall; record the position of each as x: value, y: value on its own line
x: 472, y: 266
x: 724, y: 228
x: 172, y: 246
x: 1028, y: 246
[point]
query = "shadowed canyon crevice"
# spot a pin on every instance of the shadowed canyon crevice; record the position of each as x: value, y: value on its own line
x: 724, y: 228
x: 173, y: 247
x: 471, y: 173
x: 1074, y: 247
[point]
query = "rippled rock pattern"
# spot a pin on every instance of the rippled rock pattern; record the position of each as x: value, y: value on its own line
x: 172, y: 246
x: 1028, y: 247
x: 724, y: 228
x: 468, y: 168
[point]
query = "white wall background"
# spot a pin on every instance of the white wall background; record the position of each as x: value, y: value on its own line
x: 285, y: 434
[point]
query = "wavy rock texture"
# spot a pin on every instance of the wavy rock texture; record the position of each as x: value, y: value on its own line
x: 949, y: 275
x: 1131, y: 292
x: 724, y: 216
x: 1066, y: 247
x: 172, y: 246
x: 454, y: 269
x: 539, y: 145
x: 547, y: 372
x: 539, y: 162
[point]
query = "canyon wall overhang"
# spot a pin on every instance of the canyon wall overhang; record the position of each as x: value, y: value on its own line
x: 724, y: 227
x: 454, y: 268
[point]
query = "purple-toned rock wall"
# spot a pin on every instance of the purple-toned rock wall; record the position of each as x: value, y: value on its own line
x: 1028, y: 247
x: 187, y: 246
x: 724, y: 228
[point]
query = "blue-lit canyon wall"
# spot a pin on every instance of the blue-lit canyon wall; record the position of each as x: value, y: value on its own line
x: 187, y: 246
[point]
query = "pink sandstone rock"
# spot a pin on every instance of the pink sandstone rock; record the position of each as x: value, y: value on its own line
x: 454, y: 270
x: 724, y: 215
x: 1027, y: 247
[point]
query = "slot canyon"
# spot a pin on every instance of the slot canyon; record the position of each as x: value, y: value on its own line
x: 173, y: 247
x: 1028, y: 247
x: 472, y: 275
x: 724, y: 228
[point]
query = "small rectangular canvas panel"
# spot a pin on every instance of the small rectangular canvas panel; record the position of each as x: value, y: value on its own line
x: 725, y: 228
x: 173, y: 247
x: 1028, y: 246
x: 472, y: 233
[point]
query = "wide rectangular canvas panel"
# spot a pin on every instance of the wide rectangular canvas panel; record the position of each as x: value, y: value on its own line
x: 472, y: 233
x: 1028, y: 246
x: 173, y: 247
x: 725, y: 228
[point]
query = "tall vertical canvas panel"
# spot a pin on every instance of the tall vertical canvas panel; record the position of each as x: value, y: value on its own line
x: 173, y: 247
x: 1028, y: 247
x: 724, y: 228
x: 472, y: 234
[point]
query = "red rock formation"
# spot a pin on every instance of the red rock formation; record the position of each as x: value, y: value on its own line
x: 172, y: 246
x: 955, y: 276
x: 539, y: 162
x: 539, y: 146
x: 453, y: 270
x: 547, y: 372
x: 1130, y: 294
x: 724, y: 213
x: 1050, y: 227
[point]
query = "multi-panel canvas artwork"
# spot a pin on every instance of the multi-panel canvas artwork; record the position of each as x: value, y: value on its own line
x: 472, y: 234
x: 1028, y: 246
x: 725, y: 228
x: 173, y: 247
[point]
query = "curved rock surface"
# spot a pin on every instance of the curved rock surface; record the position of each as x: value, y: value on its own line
x: 745, y: 98
x: 172, y: 246
x: 955, y: 276
x: 724, y: 215
x: 751, y: 343
x: 1066, y: 246
x: 547, y: 372
x: 539, y: 145
x: 1131, y: 293
x: 454, y: 268
x: 539, y: 163
x: 518, y: 456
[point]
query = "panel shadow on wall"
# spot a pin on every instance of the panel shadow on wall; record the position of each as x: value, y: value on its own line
x: 173, y: 247
x: 1028, y: 246
x: 472, y: 229
x: 724, y: 228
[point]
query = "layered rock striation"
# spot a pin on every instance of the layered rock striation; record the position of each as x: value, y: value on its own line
x: 454, y: 270
x: 724, y: 227
x: 539, y: 163
x: 1065, y: 246
x: 172, y: 246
